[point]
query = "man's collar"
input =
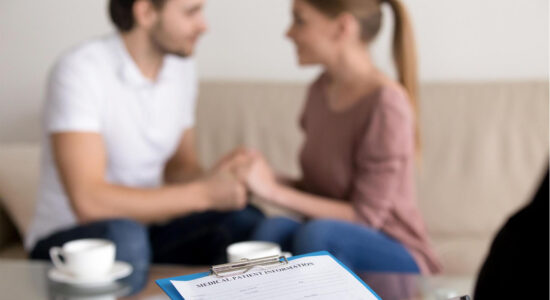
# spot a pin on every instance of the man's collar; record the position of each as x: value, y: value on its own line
x: 129, y: 71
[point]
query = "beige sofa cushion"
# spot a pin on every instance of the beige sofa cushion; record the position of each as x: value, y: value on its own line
x: 259, y: 115
x: 485, y: 148
x: 19, y: 182
x: 485, y: 145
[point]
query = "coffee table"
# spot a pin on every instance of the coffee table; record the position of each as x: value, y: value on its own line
x: 24, y: 279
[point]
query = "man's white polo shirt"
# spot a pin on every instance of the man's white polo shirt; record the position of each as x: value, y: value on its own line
x: 97, y: 87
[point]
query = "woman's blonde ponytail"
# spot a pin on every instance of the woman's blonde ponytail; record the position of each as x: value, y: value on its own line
x: 404, y: 54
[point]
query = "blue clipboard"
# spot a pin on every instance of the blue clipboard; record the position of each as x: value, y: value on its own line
x: 166, y: 284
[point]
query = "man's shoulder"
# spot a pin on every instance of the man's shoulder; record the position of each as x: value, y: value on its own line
x: 92, y: 54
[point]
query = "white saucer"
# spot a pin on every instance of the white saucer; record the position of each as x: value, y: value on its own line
x: 120, y: 270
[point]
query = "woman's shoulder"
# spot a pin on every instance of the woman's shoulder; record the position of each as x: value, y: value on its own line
x: 390, y: 129
x: 393, y: 97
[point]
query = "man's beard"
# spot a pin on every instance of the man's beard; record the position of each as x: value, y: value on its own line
x: 158, y: 40
x: 163, y: 48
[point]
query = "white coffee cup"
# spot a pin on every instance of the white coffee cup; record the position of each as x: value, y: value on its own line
x: 252, y: 250
x: 85, y: 258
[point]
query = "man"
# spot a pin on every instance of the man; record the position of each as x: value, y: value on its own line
x: 119, y: 159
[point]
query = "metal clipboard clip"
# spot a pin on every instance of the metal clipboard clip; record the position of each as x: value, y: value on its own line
x: 245, y: 265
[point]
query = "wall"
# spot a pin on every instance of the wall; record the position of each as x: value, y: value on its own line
x: 457, y: 40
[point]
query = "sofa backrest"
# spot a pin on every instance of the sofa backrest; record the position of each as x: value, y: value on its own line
x: 485, y: 148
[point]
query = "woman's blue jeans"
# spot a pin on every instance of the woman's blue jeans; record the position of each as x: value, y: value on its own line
x: 361, y: 248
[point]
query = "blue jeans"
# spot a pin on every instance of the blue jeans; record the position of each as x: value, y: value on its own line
x: 197, y: 239
x: 359, y: 247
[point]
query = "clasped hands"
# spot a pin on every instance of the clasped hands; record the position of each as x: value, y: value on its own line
x: 237, y: 174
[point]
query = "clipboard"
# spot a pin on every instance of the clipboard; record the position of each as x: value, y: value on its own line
x: 243, y: 266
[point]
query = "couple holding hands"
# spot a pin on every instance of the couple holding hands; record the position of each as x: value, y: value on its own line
x: 119, y: 158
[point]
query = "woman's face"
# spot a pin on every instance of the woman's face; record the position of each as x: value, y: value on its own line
x: 313, y: 33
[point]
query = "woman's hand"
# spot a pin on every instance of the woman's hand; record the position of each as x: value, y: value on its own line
x: 252, y: 169
x: 260, y: 177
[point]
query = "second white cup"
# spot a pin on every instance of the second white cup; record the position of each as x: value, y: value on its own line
x: 252, y: 250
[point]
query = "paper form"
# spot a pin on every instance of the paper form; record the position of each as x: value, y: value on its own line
x: 310, y: 277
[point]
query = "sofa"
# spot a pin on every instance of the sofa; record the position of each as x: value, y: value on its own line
x: 485, y: 146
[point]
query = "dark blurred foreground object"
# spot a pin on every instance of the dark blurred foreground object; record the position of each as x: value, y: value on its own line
x: 517, y: 264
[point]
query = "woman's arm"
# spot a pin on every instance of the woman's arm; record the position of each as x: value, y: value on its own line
x: 311, y: 205
x: 262, y: 181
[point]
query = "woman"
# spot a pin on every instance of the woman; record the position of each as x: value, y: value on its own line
x: 357, y: 190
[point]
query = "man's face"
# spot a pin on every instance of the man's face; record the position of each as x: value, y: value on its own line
x: 179, y: 25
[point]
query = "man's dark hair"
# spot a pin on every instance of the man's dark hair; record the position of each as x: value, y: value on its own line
x: 122, y: 15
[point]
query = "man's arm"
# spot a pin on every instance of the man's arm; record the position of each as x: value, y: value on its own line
x: 184, y: 166
x: 81, y: 161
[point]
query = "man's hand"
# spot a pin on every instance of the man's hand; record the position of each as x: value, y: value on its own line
x: 225, y: 191
x: 238, y: 172
x: 251, y: 168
